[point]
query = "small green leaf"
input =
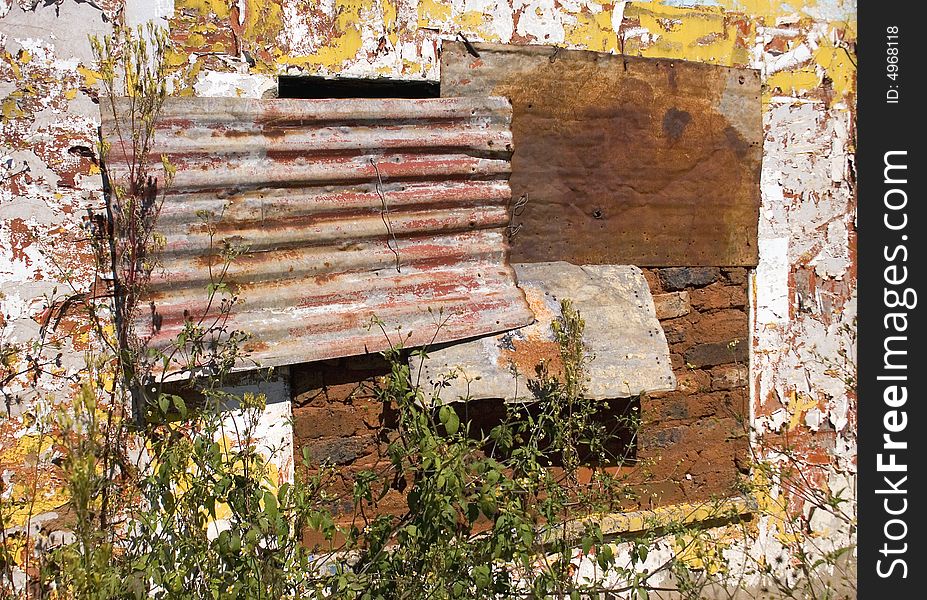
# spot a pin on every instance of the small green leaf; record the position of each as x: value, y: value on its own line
x: 270, y: 506
x: 453, y: 423
x: 481, y: 576
x: 180, y: 405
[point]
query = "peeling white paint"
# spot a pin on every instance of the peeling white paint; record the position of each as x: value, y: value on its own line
x: 540, y: 20
x: 804, y: 340
x: 772, y: 282
x: 212, y: 84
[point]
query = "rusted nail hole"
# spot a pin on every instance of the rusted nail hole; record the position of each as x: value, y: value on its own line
x: 741, y: 80
x: 597, y: 214
x: 530, y: 106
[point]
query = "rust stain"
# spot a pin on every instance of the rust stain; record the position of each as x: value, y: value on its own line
x: 21, y: 238
x: 340, y: 212
x: 651, y: 162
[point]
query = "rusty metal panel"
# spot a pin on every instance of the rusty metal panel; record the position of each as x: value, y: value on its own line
x: 624, y: 160
x: 343, y: 211
x: 628, y: 351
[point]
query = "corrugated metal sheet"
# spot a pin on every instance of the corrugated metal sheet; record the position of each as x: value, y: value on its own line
x: 345, y: 210
x: 624, y: 160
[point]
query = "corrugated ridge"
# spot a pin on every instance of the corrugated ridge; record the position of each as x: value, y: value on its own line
x: 341, y: 211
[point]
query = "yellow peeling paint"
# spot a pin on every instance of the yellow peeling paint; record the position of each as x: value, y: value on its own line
x: 770, y: 10
x: 798, y: 406
x: 703, y: 35
x: 389, y: 21
x: 433, y: 13
x: 11, y: 109
x: 838, y: 67
x: 263, y: 21
x: 471, y: 20
x: 220, y: 8
x: 90, y: 76
x: 696, y: 552
x: 8, y: 59
x: 793, y: 82
x: 27, y: 501
x: 592, y: 31
x: 345, y: 42
x: 196, y: 40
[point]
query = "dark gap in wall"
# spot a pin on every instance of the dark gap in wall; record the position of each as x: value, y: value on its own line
x: 289, y: 86
x: 618, y: 417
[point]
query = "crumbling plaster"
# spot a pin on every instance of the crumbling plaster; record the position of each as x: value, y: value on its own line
x: 803, y: 290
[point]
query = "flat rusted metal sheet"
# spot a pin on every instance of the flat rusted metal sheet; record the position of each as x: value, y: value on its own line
x: 624, y: 160
x: 344, y: 211
x: 628, y: 352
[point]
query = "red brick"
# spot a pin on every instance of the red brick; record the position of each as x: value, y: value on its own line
x: 736, y: 275
x: 310, y: 423
x: 676, y: 330
x: 653, y: 280
x: 729, y: 377
x: 717, y: 353
x: 680, y: 278
x: 692, y: 382
x: 718, y: 296
x: 672, y: 305
x: 340, y: 450
x: 720, y: 326
x: 337, y: 381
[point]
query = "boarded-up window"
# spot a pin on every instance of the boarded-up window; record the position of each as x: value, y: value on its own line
x: 340, y: 211
x: 624, y: 160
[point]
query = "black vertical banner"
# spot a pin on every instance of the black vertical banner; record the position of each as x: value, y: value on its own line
x: 892, y: 457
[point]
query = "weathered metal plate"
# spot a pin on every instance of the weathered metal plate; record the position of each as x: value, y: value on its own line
x: 628, y: 351
x: 624, y: 160
x: 343, y: 211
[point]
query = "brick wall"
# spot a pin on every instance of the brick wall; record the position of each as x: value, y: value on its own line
x: 693, y: 441
x: 692, y: 444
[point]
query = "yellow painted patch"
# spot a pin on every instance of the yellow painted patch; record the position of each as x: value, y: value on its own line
x: 433, y: 13
x: 70, y: 94
x: 196, y: 40
x: 11, y: 109
x: 345, y: 41
x: 592, y: 31
x: 24, y: 499
x: 699, y: 34
x: 17, y: 72
x: 838, y: 66
x: 697, y: 552
x: 389, y: 20
x: 770, y: 10
x: 263, y: 21
x: 25, y: 57
x: 90, y: 76
x: 798, y: 406
x: 471, y: 20
x: 220, y: 8
x: 793, y: 82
